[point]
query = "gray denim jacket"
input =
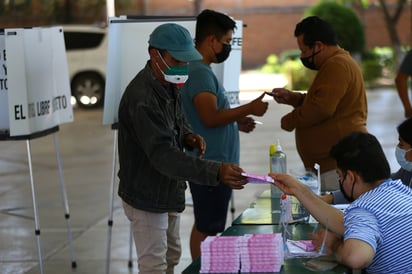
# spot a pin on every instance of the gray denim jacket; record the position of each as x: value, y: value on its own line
x: 151, y: 129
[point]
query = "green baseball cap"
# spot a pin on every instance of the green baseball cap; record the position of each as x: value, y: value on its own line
x: 176, y: 40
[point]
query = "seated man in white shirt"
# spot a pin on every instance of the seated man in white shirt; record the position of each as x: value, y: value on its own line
x: 373, y: 233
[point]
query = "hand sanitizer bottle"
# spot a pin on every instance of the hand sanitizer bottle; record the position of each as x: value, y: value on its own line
x: 277, y: 164
x: 278, y: 160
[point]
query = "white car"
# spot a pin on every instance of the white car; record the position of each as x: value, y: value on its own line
x: 86, y: 49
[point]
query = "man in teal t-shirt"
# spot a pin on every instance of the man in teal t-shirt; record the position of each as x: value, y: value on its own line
x: 208, y: 111
x: 222, y: 140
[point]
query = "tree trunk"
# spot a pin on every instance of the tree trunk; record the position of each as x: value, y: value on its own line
x: 391, y: 22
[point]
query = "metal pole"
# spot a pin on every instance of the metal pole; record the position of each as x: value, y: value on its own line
x: 110, y: 8
x: 130, y: 264
x: 111, y: 198
x: 36, y: 216
x: 65, y: 200
x: 232, y: 206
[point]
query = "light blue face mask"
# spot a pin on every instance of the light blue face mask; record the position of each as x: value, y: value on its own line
x: 401, y: 158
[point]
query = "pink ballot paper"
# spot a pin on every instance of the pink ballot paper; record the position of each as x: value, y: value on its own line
x: 258, y: 179
x: 306, y: 245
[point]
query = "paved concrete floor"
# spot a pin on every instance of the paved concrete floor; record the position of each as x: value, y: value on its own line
x: 86, y: 148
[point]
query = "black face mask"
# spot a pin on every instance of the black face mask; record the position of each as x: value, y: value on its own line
x: 309, y: 61
x: 347, y: 197
x: 224, y: 54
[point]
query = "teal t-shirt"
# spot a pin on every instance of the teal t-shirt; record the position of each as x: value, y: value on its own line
x: 222, y: 143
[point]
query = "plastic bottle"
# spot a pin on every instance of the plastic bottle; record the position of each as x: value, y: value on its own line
x: 272, y: 151
x: 277, y: 164
x: 285, y: 209
x: 277, y: 159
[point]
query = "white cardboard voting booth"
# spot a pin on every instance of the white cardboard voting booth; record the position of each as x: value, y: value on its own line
x: 34, y: 86
x: 35, y: 96
x: 128, y: 54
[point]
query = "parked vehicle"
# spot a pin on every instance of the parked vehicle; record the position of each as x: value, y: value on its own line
x: 86, y: 49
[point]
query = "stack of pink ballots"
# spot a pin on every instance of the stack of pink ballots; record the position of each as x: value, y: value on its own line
x: 248, y: 253
x: 220, y: 254
x: 261, y: 253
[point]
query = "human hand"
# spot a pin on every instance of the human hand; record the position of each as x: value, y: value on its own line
x: 327, y: 198
x: 281, y: 95
x: 246, y: 124
x: 230, y: 174
x: 258, y: 107
x: 325, y: 245
x: 196, y: 141
x: 286, y: 183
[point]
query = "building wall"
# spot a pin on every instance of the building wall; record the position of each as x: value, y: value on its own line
x: 272, y: 32
x: 269, y: 24
x: 267, y: 33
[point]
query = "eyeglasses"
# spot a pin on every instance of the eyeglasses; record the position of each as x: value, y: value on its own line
x: 343, y: 179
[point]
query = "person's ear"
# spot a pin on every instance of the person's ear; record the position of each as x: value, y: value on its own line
x: 212, y: 39
x: 153, y: 53
x: 318, y: 45
x: 408, y: 154
x: 351, y: 176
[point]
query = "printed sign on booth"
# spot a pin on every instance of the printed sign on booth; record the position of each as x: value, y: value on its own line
x: 4, y: 109
x: 37, y: 84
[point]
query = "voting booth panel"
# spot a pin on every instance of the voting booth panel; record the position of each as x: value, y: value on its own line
x: 34, y: 86
x: 35, y: 99
x: 128, y: 54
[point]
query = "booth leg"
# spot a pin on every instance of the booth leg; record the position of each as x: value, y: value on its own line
x: 111, y: 199
x: 36, y: 217
x: 65, y: 200
x: 232, y: 206
x: 130, y: 264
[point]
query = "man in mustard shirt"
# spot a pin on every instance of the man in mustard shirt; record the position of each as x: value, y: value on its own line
x: 335, y: 103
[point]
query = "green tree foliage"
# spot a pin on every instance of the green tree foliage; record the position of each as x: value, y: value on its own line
x: 378, y: 64
x: 16, y: 7
x: 346, y: 23
x: 298, y: 77
x: 272, y: 64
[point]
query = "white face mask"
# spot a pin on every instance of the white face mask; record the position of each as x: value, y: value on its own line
x: 175, y: 79
x: 176, y: 74
x: 401, y: 158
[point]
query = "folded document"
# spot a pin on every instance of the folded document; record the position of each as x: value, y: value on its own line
x: 301, y: 248
x: 258, y: 179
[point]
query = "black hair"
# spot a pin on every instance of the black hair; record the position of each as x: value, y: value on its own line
x: 362, y: 153
x: 405, y: 130
x: 211, y: 22
x: 315, y: 29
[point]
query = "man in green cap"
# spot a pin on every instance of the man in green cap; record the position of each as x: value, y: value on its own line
x: 154, y: 168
